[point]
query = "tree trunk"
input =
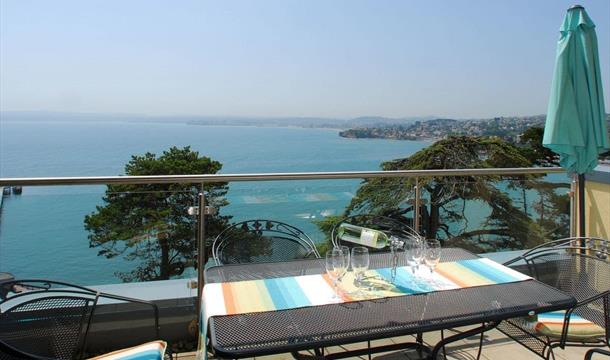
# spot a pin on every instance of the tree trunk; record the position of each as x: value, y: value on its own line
x: 434, y: 220
x: 542, y: 209
x: 165, y: 270
x: 524, y: 200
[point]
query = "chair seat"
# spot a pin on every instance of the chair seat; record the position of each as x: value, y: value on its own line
x: 580, y: 329
x: 154, y: 350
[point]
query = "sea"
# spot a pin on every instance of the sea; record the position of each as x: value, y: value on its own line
x: 42, y: 233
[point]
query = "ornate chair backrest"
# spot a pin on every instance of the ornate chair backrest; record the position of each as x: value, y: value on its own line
x: 47, y: 322
x: 257, y: 241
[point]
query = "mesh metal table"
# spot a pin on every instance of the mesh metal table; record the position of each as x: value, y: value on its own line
x: 255, y: 334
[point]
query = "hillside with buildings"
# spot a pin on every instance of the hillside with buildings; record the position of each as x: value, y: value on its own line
x: 508, y: 128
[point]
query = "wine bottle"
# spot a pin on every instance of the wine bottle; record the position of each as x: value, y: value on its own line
x: 363, y: 236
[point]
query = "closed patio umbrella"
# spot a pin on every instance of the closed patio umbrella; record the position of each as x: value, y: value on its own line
x: 575, y: 123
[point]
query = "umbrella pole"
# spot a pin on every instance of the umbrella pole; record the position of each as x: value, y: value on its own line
x: 581, y: 208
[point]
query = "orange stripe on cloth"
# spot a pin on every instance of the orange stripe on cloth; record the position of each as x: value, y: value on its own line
x: 572, y: 323
x: 455, y: 279
x: 227, y: 293
x: 461, y: 275
x: 341, y: 293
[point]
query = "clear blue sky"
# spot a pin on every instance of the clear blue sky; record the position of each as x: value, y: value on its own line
x: 285, y: 58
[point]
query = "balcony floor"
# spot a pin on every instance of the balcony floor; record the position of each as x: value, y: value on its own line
x: 496, y: 347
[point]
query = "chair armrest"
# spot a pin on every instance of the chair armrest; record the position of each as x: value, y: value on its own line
x: 514, y: 260
x: 591, y: 299
x: 139, y: 301
x: 542, y: 247
x: 571, y: 243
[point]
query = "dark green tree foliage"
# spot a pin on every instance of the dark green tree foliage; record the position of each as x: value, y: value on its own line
x: 444, y: 212
x: 552, y: 207
x: 149, y: 224
x: 532, y: 149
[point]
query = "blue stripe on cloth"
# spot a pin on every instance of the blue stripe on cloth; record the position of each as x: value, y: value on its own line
x: 275, y: 293
x: 291, y: 287
x: 555, y: 314
x: 559, y: 315
x: 405, y: 276
x: 403, y: 286
x: 489, y: 272
x: 144, y: 355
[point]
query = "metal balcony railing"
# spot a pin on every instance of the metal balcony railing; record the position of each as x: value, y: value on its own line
x: 416, y: 175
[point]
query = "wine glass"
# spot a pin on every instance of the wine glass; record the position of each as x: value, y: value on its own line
x: 360, y: 263
x: 335, y: 267
x: 346, y: 254
x: 432, y: 254
x: 414, y: 250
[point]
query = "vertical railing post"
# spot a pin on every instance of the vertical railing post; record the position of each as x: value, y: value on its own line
x: 416, y: 211
x: 573, y: 212
x: 201, y: 248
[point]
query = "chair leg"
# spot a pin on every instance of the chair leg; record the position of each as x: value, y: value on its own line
x: 419, y: 339
x: 589, y: 354
x: 550, y: 354
x: 444, y: 349
x: 318, y: 354
x: 480, y: 345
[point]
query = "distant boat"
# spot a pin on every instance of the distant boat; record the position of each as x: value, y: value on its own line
x: 6, y: 191
x: 17, y: 190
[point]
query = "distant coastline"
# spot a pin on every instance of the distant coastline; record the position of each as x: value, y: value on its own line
x: 424, y: 128
x: 202, y: 120
x: 383, y: 133
x: 508, y: 128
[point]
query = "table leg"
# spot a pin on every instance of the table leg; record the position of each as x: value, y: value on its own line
x: 421, y: 349
x: 419, y: 339
x: 478, y: 330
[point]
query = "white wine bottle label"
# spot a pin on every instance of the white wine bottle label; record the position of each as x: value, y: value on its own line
x: 369, y: 237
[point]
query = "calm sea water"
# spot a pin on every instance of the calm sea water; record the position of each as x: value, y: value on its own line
x: 42, y: 233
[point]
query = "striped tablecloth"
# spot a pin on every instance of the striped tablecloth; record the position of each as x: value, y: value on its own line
x: 252, y: 296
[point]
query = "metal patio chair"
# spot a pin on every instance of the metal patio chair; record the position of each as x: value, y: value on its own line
x: 257, y: 241
x: 50, y: 319
x: 579, y: 267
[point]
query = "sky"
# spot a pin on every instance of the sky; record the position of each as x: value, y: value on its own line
x: 340, y: 59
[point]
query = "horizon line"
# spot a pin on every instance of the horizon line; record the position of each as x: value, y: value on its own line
x: 258, y: 117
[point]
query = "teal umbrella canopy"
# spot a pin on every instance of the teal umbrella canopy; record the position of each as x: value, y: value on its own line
x: 575, y: 124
